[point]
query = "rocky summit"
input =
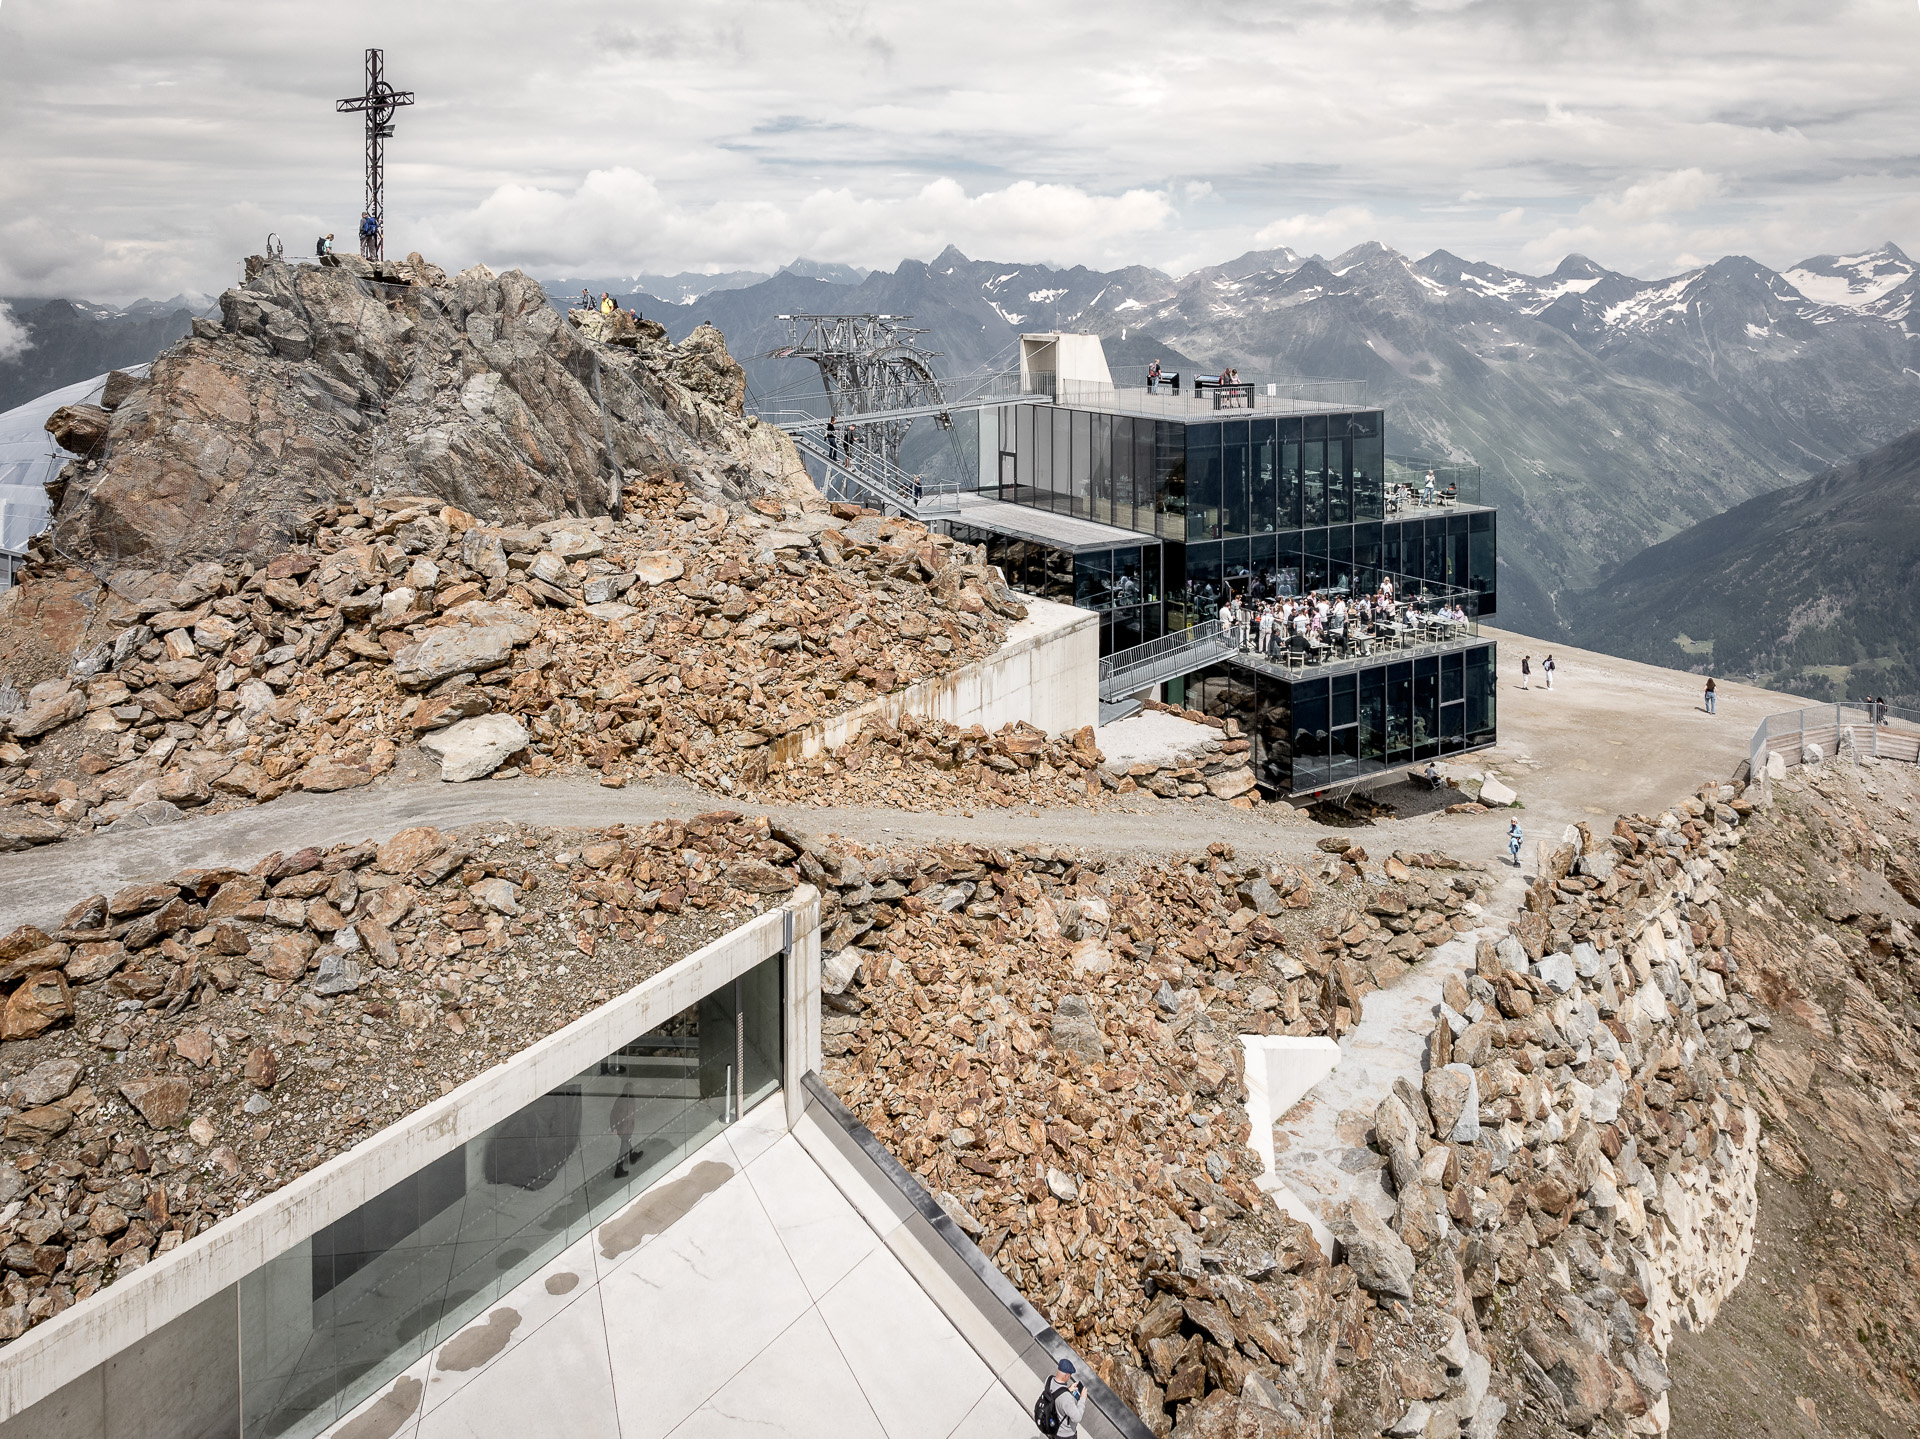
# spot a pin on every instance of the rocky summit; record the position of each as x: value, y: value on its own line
x: 330, y: 383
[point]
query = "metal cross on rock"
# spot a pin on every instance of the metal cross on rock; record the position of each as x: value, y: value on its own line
x: 377, y: 104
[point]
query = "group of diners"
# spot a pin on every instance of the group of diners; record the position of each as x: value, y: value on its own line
x: 1310, y: 628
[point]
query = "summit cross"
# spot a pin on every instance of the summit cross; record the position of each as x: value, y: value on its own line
x: 378, y: 103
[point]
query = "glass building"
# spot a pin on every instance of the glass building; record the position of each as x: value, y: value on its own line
x: 1154, y: 509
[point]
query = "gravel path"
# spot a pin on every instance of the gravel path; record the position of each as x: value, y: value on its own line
x: 37, y: 886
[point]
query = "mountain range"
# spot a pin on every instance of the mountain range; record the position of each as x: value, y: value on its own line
x: 1607, y: 412
x: 1813, y: 588
x: 70, y: 340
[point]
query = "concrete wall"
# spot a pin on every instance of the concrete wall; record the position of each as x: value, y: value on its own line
x: 102, y: 1357
x: 1047, y: 673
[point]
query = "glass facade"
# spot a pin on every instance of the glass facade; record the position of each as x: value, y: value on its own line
x: 1122, y: 584
x: 342, y: 1313
x: 1272, y: 506
x: 1314, y: 732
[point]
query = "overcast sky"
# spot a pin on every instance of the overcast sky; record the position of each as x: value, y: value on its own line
x: 145, y: 147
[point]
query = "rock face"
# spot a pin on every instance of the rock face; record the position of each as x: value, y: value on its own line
x: 475, y: 748
x: 329, y: 383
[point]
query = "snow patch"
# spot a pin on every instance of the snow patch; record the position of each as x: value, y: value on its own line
x: 1044, y: 297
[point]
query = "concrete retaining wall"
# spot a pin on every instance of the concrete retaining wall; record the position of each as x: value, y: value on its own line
x: 97, y: 1364
x: 1047, y: 673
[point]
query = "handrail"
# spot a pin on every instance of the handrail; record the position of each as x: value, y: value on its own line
x: 871, y: 472
x: 1118, y: 671
x: 1795, y: 728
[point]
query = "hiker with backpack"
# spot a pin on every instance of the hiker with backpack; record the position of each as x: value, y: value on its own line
x: 1062, y: 1404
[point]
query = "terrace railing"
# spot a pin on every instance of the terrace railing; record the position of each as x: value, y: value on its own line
x: 1883, y: 731
x: 1128, y: 671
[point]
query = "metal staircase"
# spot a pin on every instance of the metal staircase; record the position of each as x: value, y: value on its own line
x: 866, y: 478
x: 1127, y: 672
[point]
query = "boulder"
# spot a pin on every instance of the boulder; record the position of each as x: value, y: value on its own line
x: 656, y: 567
x: 337, y: 974
x: 1230, y: 785
x: 457, y: 649
x: 1453, y: 1098
x: 161, y: 1101
x: 475, y: 748
x: 1380, y: 1260
x: 326, y: 778
x: 46, y: 1082
x: 23, y: 831
x: 37, y: 1005
x: 1076, y: 1034
x: 153, y: 813
x: 1492, y: 792
x: 49, y: 714
x: 1396, y: 1132
x: 498, y: 895
x: 80, y: 429
x: 408, y: 850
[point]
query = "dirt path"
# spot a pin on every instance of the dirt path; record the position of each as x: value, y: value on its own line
x: 37, y: 886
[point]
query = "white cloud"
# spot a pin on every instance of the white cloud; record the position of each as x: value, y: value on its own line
x: 13, y: 335
x: 743, y: 132
x: 1333, y: 227
x: 621, y: 218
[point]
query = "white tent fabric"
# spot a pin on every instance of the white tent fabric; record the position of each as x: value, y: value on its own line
x: 29, y: 459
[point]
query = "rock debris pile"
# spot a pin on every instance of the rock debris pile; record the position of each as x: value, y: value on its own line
x: 177, y: 1049
x: 687, y: 643
x: 1581, y: 1156
x: 1050, y: 1041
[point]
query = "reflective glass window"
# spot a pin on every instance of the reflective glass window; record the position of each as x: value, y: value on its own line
x: 337, y: 1316
x: 1373, y: 718
x: 1236, y: 563
x: 1313, y: 479
x: 1399, y: 713
x: 1310, y: 734
x: 1062, y: 459
x: 1170, y: 478
x: 1236, y: 517
x: 1339, y: 489
x: 1081, y: 474
x: 1093, y: 580
x: 1264, y: 478
x: 1203, y: 488
x: 1100, y: 482
x: 1426, y: 707
x: 1205, y: 580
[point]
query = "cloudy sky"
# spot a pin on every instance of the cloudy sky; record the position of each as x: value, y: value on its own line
x: 145, y: 147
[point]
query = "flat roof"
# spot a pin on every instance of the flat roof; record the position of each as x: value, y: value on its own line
x: 1064, y: 532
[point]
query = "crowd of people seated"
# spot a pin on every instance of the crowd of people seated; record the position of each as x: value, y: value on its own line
x: 1310, y: 626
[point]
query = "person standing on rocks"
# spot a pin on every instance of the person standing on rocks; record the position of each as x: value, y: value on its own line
x: 1546, y: 668
x: 1062, y: 1403
x: 1709, y: 694
x: 607, y: 306
x: 1526, y: 670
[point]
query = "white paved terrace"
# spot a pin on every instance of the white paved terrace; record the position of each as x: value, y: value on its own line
x: 771, y: 1307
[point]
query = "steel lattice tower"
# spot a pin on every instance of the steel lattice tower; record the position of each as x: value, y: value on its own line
x: 868, y: 364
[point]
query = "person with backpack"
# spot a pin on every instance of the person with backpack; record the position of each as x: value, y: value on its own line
x: 1546, y: 668
x: 1062, y: 1404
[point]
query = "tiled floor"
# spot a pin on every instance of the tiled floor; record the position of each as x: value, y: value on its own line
x: 770, y: 1308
